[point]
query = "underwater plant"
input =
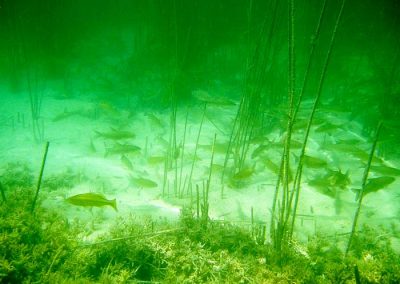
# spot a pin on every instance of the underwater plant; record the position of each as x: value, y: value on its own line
x: 248, y: 122
x: 35, y: 100
x: 39, y: 183
x: 284, y: 213
x: 3, y: 195
x: 48, y: 248
x: 363, y: 187
x: 196, y: 148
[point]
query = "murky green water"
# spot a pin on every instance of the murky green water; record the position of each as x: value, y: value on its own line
x: 199, y: 141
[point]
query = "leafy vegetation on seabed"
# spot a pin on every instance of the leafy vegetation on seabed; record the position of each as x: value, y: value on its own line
x: 45, y: 247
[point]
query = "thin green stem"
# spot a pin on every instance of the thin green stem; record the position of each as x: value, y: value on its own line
x: 40, y: 177
x: 196, y: 147
x: 296, y: 189
x: 180, y: 190
x: 364, y: 181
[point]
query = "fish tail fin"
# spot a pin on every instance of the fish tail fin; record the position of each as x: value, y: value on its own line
x: 114, y: 204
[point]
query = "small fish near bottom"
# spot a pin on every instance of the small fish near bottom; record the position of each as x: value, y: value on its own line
x: 91, y: 200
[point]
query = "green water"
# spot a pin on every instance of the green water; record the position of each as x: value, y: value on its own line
x: 199, y: 141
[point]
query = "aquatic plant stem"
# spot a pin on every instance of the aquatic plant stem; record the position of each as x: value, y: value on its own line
x: 195, y: 148
x: 175, y: 148
x: 180, y: 191
x: 165, y: 176
x: 364, y: 181
x: 35, y: 100
x: 250, y: 113
x: 211, y: 161
x: 40, y: 176
x: 197, y: 201
x: 357, y: 274
x: 275, y: 201
x: 206, y: 189
x: 205, y: 205
x: 3, y: 195
x: 310, y: 58
x: 172, y: 149
x: 150, y: 234
x: 279, y: 231
x: 59, y: 250
x: 230, y: 145
x: 297, y: 182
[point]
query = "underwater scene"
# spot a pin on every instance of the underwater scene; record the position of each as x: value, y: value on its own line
x: 200, y: 141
